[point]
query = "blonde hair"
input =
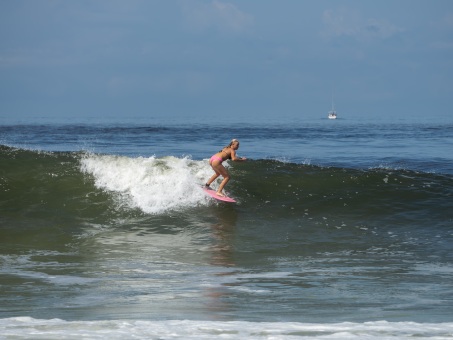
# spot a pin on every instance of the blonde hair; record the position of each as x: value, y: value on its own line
x: 231, y: 143
x: 234, y: 140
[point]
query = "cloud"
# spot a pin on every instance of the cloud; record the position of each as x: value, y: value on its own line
x: 349, y: 23
x: 447, y: 21
x: 217, y: 15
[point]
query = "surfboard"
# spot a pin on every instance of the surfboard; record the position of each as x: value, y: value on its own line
x: 213, y: 194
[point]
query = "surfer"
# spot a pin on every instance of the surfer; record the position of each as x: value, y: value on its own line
x: 228, y: 152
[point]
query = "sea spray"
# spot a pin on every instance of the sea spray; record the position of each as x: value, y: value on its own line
x: 153, y: 185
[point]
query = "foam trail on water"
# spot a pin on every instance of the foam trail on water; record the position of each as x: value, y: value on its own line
x: 22, y: 327
x: 154, y: 185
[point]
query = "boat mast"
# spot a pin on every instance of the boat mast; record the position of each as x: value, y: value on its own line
x: 333, y: 107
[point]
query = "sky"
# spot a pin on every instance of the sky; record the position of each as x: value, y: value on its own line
x: 225, y: 58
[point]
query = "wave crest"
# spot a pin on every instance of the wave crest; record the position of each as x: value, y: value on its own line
x: 153, y: 185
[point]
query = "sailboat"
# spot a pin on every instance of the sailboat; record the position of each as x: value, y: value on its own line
x: 332, y: 113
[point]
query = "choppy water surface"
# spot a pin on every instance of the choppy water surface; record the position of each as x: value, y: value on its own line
x: 340, y: 230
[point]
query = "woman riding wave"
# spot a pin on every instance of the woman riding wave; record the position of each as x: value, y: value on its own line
x: 228, y: 152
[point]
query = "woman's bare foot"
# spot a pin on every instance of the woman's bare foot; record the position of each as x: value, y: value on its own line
x: 220, y: 194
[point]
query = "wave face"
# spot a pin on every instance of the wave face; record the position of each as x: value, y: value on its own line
x: 84, y: 182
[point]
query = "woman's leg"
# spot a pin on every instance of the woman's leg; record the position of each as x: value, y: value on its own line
x: 225, y: 174
x: 213, y: 178
x: 219, y: 171
x: 222, y: 185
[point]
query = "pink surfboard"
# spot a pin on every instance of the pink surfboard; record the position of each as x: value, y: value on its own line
x: 213, y: 194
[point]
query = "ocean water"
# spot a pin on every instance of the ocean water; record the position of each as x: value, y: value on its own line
x: 343, y: 229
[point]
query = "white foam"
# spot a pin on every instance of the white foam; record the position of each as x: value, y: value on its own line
x: 29, y: 328
x: 153, y: 185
